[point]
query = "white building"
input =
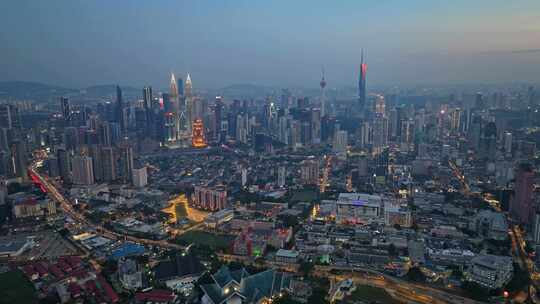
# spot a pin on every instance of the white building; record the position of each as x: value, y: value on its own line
x: 140, y: 177
x: 219, y: 217
x: 286, y: 256
x: 358, y: 208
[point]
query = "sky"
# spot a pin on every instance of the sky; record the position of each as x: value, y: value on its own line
x: 284, y: 43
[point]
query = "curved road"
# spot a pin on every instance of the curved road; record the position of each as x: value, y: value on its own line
x: 80, y: 218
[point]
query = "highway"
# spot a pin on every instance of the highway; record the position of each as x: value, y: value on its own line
x: 465, y: 189
x: 68, y: 209
x: 399, y: 289
x: 402, y: 290
x: 523, y: 260
x: 326, y: 173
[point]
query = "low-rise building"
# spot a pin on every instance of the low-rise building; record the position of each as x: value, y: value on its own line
x: 129, y: 274
x: 491, y: 271
x: 358, y: 208
x: 286, y: 256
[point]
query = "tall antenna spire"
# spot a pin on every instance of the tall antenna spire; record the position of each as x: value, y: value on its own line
x: 323, y: 81
x: 362, y: 57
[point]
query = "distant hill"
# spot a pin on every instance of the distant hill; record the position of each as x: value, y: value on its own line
x: 98, y: 91
x: 32, y: 90
x: 245, y: 91
x: 49, y: 93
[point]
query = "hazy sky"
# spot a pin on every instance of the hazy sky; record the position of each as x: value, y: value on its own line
x: 280, y: 43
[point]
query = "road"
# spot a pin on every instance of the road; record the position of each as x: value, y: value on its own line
x: 523, y: 260
x: 465, y: 189
x: 68, y: 209
x: 326, y: 173
x: 399, y: 289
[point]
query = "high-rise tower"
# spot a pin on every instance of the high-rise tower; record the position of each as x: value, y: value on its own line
x: 362, y: 84
x: 173, y: 87
x: 119, y: 111
x: 64, y: 104
x: 188, y: 86
x: 522, y: 204
x: 147, y: 97
x: 323, y: 96
x: 198, y: 140
x: 174, y: 116
x: 188, y: 109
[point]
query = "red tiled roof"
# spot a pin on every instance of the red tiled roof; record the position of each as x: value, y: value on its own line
x: 40, y: 268
x: 156, y: 295
x: 27, y: 201
x: 113, y: 297
x: 29, y: 271
x: 74, y: 289
x: 56, y: 271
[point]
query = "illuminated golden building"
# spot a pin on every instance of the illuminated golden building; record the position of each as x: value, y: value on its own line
x: 198, y: 140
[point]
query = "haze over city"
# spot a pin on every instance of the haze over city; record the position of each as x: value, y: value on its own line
x: 274, y: 43
x: 269, y: 152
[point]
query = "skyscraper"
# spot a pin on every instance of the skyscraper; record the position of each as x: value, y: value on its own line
x: 18, y: 151
x: 83, y: 172
x: 188, y: 86
x: 65, y: 107
x: 109, y: 164
x: 10, y: 116
x: 522, y: 203
x: 126, y: 163
x: 362, y: 84
x: 218, y: 110
x: 119, y: 110
x: 380, y: 133
x: 309, y: 172
x: 198, y: 139
x: 64, y: 164
x: 316, y: 126
x: 187, y: 110
x: 174, y: 107
x: 324, y: 111
x: 147, y: 96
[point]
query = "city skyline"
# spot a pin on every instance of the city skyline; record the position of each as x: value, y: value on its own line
x: 222, y: 44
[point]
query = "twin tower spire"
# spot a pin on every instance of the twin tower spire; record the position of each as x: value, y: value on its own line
x: 174, y: 89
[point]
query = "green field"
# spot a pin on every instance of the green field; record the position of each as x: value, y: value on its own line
x: 368, y: 294
x: 213, y: 241
x: 15, y: 288
x: 181, y: 211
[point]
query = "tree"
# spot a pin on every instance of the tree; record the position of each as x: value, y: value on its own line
x: 318, y: 296
x: 306, y: 267
x: 392, y: 250
x: 475, y: 291
x: 416, y: 275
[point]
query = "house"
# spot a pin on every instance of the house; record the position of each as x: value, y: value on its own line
x: 241, y: 287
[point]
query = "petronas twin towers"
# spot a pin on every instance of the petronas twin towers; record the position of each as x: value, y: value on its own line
x: 181, y: 108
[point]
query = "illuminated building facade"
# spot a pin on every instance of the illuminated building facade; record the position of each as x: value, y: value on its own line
x: 362, y: 84
x: 198, y: 139
x: 210, y: 198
